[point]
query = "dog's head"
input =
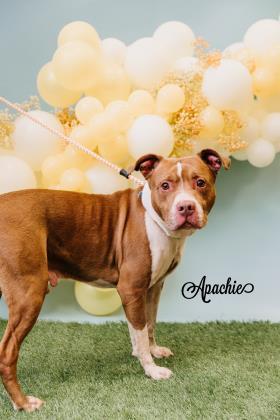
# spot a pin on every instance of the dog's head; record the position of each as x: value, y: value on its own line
x: 182, y: 191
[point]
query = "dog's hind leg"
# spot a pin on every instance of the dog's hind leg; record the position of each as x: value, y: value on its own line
x: 24, y: 296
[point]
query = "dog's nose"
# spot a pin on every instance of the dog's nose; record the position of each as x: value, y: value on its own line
x: 185, y: 208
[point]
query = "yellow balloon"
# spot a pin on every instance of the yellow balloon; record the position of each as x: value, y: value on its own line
x: 116, y: 151
x: 101, y: 128
x: 72, y: 179
x: 96, y: 300
x: 76, y: 65
x: 75, y: 158
x: 52, y: 168
x: 141, y: 102
x: 83, y: 135
x: 52, y: 92
x: 212, y: 122
x: 87, y: 107
x: 79, y: 31
x: 114, y: 84
x: 264, y: 81
x: 170, y: 98
x: 118, y: 113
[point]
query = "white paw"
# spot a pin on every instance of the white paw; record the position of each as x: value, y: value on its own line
x: 32, y: 404
x: 158, y: 372
x: 159, y: 352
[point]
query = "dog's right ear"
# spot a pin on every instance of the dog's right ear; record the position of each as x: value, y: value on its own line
x: 146, y: 164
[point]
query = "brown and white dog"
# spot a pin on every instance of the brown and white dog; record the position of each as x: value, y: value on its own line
x: 130, y: 239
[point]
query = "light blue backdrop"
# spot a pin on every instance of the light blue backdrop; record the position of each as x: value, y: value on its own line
x: 242, y: 239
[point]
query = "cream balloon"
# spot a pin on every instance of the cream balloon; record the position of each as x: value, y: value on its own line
x: 114, y: 51
x: 115, y: 151
x: 104, y: 180
x: 250, y: 130
x: 118, y: 113
x: 262, y: 35
x: 240, y: 155
x: 150, y: 134
x: 96, y: 300
x: 187, y: 65
x: 83, y: 134
x: 101, y: 128
x: 212, y: 122
x: 52, y: 92
x: 34, y: 143
x: 170, y: 98
x: 141, y: 102
x: 261, y: 153
x: 265, y: 81
x: 228, y: 86
x: 76, y: 65
x: 15, y: 174
x: 145, y: 64
x: 79, y: 31
x: 175, y: 40
x: 271, y: 127
x: 238, y: 51
x: 53, y: 167
x: 87, y: 107
x: 73, y: 179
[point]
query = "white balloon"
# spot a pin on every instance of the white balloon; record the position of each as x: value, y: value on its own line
x: 34, y: 143
x: 261, y: 153
x: 240, y: 155
x: 113, y: 50
x: 150, y: 134
x: 262, y: 35
x: 187, y: 65
x: 145, y: 64
x: 176, y: 39
x: 104, y: 180
x: 228, y: 86
x: 271, y: 127
x: 15, y: 174
x: 250, y: 130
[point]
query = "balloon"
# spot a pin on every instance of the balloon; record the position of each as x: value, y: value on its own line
x: 170, y: 98
x: 238, y: 51
x: 187, y: 65
x: 52, y: 92
x: 113, y: 85
x: 118, y: 113
x: 79, y: 31
x: 212, y: 122
x: 150, y: 134
x: 240, y: 155
x: 76, y: 65
x: 101, y: 128
x: 228, y: 86
x: 114, y: 51
x: 87, y: 107
x: 104, y: 180
x: 176, y: 39
x: 262, y: 35
x: 250, y: 130
x: 96, y: 300
x: 271, y: 127
x: 76, y: 158
x: 72, y: 179
x: 15, y: 174
x: 261, y: 153
x: 145, y: 64
x: 83, y: 134
x: 52, y: 168
x: 34, y: 143
x: 264, y: 81
x: 141, y: 102
x: 115, y: 151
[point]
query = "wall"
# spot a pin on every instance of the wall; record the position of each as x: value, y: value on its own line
x: 242, y: 238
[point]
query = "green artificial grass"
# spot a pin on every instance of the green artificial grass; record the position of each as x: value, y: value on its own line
x: 221, y: 371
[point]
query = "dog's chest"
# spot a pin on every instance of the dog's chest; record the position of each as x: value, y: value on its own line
x: 165, y: 251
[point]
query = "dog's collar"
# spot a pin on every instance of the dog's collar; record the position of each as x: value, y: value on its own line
x: 146, y: 199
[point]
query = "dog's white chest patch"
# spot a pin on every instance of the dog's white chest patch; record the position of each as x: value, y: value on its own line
x: 165, y: 250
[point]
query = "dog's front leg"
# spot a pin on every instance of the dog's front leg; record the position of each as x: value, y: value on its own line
x: 134, y: 303
x: 153, y: 295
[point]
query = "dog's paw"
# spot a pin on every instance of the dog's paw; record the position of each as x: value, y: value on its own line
x: 158, y: 372
x: 31, y: 404
x: 159, y: 352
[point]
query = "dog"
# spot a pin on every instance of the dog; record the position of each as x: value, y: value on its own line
x: 131, y: 239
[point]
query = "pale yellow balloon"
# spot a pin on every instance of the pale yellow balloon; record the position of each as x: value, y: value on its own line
x: 73, y: 179
x: 141, y: 102
x: 52, y: 92
x: 76, y: 65
x: 87, y: 107
x: 116, y: 150
x: 79, y: 31
x: 113, y: 50
x: 76, y: 158
x: 170, y: 98
x: 96, y: 300
x: 212, y: 122
x: 105, y: 180
x: 264, y: 81
x: 15, y: 174
x: 101, y: 128
x: 118, y: 113
x: 83, y: 134
x: 114, y: 84
x: 52, y: 168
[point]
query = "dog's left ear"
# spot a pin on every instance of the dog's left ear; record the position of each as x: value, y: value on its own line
x: 213, y: 160
x: 146, y: 164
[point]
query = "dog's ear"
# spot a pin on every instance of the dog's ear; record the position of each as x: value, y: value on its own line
x: 146, y: 164
x: 213, y: 160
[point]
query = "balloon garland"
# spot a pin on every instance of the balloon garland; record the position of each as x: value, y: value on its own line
x: 166, y: 94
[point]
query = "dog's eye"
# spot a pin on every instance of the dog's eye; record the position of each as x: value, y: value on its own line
x: 200, y: 182
x: 165, y: 186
